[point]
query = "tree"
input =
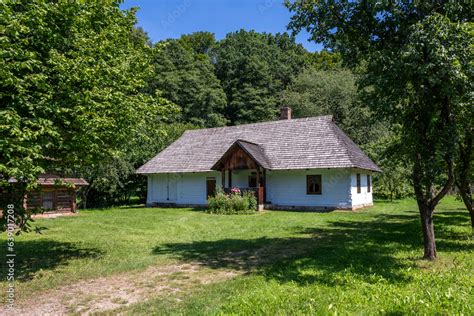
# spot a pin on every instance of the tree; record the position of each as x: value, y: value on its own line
x: 187, y: 78
x: 317, y: 92
x: 198, y: 42
x: 254, y: 68
x: 394, y: 182
x: 139, y: 36
x: 71, y: 83
x: 324, y: 60
x: 334, y: 92
x: 418, y: 65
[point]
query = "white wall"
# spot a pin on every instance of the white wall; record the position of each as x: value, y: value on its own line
x: 284, y: 187
x: 157, y: 188
x: 240, y: 178
x: 192, y: 187
x: 180, y: 188
x: 288, y: 188
x: 363, y: 198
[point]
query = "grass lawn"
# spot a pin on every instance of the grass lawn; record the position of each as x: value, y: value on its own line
x: 364, y: 262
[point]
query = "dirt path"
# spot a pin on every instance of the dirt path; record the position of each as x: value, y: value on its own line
x: 108, y: 293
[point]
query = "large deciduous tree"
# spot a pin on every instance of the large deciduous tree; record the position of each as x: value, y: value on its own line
x: 418, y: 61
x: 187, y: 78
x: 334, y: 92
x: 71, y: 82
x: 316, y: 92
x: 254, y: 68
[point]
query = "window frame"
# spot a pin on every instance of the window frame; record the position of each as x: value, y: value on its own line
x: 318, y: 176
x: 252, y: 177
x: 369, y: 184
x: 358, y: 183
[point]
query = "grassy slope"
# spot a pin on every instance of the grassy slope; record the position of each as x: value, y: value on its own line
x: 365, y: 261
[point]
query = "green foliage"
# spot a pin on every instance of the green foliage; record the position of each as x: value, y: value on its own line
x: 254, y: 68
x: 140, y: 36
x: 417, y: 57
x: 324, y: 60
x: 252, y: 200
x: 424, y: 91
x: 418, y: 67
x: 334, y: 92
x: 395, y: 181
x: 187, y: 78
x: 72, y: 82
x: 114, y: 181
x: 233, y: 203
x: 198, y: 42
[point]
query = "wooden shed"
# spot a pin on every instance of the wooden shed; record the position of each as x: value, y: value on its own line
x: 54, y: 193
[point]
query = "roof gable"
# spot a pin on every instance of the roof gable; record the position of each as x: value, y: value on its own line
x: 305, y: 143
x: 251, y: 150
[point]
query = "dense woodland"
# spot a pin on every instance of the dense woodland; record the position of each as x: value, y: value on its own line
x: 86, y: 93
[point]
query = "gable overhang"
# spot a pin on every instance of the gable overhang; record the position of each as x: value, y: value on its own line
x: 244, y: 145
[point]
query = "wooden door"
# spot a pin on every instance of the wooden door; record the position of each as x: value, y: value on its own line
x: 210, y: 187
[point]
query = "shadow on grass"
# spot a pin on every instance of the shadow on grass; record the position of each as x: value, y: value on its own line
x: 363, y: 249
x: 35, y: 255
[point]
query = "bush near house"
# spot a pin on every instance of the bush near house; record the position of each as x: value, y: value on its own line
x: 236, y: 202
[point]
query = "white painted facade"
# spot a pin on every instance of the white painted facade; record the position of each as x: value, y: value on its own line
x: 284, y: 188
x: 364, y: 198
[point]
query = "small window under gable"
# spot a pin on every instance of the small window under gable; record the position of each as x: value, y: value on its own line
x: 358, y: 183
x: 313, y: 184
x: 368, y: 183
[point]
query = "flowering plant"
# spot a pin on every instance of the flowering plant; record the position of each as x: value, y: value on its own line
x: 232, y: 203
x: 235, y: 191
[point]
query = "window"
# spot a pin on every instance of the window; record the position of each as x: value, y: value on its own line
x: 253, y: 180
x: 368, y: 183
x: 358, y: 183
x: 48, y: 198
x: 313, y: 184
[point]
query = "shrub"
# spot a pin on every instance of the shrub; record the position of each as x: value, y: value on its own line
x: 238, y: 203
x: 250, y: 195
x: 218, y: 203
x: 233, y: 203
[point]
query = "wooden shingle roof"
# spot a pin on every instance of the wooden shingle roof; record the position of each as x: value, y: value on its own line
x: 306, y: 143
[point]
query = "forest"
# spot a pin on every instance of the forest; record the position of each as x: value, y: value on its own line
x: 87, y: 93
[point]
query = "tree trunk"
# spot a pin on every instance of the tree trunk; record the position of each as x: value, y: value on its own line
x: 84, y: 196
x: 428, y: 233
x: 467, y: 199
x: 468, y: 203
x: 427, y: 201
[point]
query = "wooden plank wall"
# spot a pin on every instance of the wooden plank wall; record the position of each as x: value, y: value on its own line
x: 239, y: 159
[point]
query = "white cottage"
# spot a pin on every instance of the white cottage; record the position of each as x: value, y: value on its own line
x: 304, y: 164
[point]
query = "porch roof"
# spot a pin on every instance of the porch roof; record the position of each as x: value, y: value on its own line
x: 254, y: 151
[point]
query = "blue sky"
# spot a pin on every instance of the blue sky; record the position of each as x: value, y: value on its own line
x: 163, y: 19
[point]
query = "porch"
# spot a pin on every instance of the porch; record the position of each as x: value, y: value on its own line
x: 244, y: 156
x: 258, y: 192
